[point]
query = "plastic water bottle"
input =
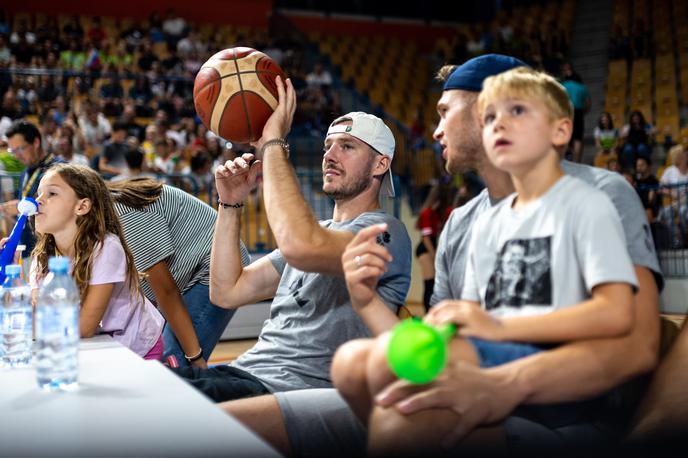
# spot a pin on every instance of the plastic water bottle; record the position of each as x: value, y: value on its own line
x: 16, y: 322
x: 57, y: 328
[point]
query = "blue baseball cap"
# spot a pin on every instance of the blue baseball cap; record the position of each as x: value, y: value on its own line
x: 470, y: 75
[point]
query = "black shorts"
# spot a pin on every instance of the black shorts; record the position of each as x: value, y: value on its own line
x: 222, y: 383
x: 578, y: 124
x: 420, y: 249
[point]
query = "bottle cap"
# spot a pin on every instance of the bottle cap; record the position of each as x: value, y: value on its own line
x: 13, y: 270
x: 58, y: 264
x: 27, y: 206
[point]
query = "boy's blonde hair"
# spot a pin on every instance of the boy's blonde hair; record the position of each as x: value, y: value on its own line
x: 526, y: 83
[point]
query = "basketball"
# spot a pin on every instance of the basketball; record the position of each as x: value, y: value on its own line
x: 235, y: 93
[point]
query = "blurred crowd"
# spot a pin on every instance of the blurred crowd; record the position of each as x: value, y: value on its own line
x: 118, y: 96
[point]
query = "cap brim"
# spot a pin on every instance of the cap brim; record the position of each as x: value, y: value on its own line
x: 387, y: 186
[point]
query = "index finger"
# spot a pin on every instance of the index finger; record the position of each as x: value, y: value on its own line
x: 280, y: 91
x: 368, y: 233
x: 397, y: 391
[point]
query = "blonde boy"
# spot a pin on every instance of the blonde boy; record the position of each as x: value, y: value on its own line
x: 548, y: 264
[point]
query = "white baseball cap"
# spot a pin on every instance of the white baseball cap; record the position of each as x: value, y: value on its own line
x: 373, y: 131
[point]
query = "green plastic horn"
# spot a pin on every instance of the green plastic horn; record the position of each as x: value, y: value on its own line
x: 417, y: 352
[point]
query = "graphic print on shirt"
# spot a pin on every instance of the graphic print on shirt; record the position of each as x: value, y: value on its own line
x: 522, y: 274
x: 295, y: 288
x: 383, y: 238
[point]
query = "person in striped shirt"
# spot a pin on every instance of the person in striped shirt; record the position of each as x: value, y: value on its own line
x: 170, y: 233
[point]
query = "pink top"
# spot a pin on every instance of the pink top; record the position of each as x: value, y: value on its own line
x: 130, y: 319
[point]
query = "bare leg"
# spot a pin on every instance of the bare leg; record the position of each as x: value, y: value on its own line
x: 379, y: 373
x: 263, y: 416
x: 664, y: 408
x: 421, y: 434
x: 349, y: 375
x: 427, y: 266
x: 390, y: 432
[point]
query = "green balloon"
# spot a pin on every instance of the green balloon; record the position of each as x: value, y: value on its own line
x: 417, y: 352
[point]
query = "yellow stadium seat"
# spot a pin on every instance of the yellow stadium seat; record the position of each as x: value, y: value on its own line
x: 32, y: 118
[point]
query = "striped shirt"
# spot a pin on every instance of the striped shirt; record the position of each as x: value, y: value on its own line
x: 178, y: 229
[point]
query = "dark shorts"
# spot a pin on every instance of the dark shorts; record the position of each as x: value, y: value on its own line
x: 421, y: 249
x: 578, y: 125
x: 222, y: 383
x: 492, y: 354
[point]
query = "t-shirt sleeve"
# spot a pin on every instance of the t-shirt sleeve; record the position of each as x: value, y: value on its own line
x: 470, y: 291
x: 666, y: 176
x: 441, y: 289
x: 109, y: 264
x: 277, y: 260
x: 394, y: 283
x: 148, y: 237
x: 601, y: 245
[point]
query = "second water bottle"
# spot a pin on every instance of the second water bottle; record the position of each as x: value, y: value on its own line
x: 57, y: 328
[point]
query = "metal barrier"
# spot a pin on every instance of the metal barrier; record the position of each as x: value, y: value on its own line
x: 256, y: 233
x: 667, y: 210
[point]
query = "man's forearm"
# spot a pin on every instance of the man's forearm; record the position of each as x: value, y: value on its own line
x: 304, y: 244
x: 377, y: 316
x: 225, y: 257
x: 284, y: 202
x: 589, y: 368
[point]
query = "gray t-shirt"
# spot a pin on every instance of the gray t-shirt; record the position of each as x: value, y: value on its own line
x: 452, y: 248
x: 547, y: 255
x: 311, y: 313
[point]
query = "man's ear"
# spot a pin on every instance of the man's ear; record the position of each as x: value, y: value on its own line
x: 382, y: 165
x: 561, y: 132
x: 83, y: 207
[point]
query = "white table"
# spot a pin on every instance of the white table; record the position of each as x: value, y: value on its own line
x: 124, y: 406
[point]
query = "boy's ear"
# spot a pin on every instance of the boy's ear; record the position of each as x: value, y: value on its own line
x: 84, y: 207
x: 562, y: 130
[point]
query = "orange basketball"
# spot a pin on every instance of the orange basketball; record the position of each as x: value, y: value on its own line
x: 235, y: 93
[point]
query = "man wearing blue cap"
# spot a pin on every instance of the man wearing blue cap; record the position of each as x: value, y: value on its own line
x: 408, y: 422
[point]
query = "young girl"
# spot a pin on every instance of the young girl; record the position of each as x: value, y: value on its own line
x: 76, y: 218
x: 606, y: 140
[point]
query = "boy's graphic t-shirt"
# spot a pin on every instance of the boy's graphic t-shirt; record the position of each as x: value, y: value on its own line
x: 522, y: 274
x: 549, y: 254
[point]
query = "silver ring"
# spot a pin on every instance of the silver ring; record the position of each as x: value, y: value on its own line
x: 357, y: 260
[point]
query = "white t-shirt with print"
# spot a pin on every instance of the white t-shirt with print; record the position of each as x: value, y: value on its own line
x: 547, y: 255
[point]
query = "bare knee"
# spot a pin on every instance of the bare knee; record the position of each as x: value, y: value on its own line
x: 263, y: 415
x: 379, y: 373
x: 349, y: 367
